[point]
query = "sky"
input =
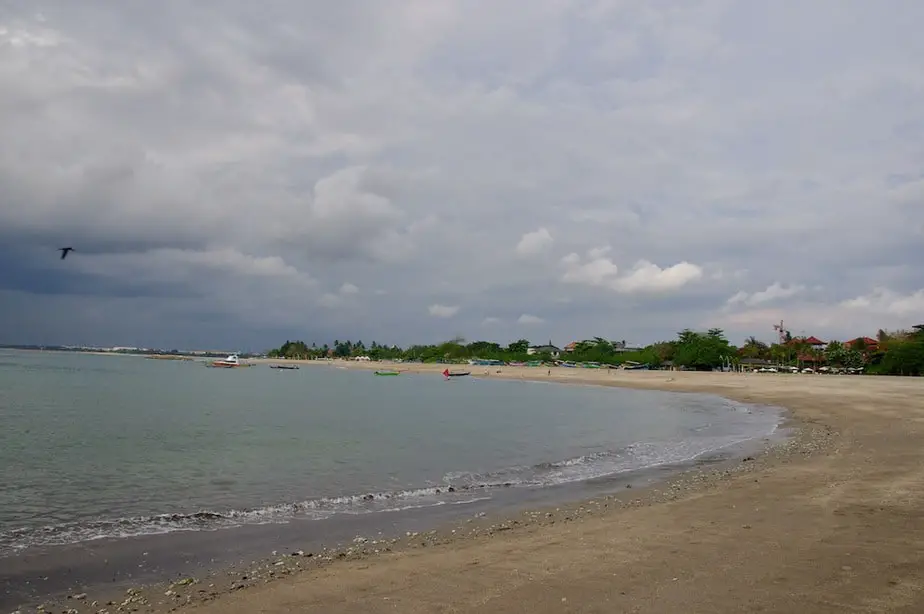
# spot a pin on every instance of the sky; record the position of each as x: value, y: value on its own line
x: 234, y: 174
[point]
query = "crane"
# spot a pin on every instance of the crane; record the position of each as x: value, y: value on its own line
x: 782, y: 332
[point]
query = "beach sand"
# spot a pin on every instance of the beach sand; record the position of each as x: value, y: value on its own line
x: 831, y: 522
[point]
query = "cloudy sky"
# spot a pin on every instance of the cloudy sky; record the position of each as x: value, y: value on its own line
x: 236, y: 173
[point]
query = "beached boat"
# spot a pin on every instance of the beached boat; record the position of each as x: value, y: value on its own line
x: 230, y: 362
x: 388, y: 372
x: 448, y: 373
x: 284, y: 367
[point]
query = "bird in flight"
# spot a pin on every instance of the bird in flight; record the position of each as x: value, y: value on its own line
x: 64, y: 251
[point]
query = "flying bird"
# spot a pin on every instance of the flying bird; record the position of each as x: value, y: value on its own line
x: 64, y: 251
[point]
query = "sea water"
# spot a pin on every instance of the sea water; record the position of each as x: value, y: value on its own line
x: 118, y: 446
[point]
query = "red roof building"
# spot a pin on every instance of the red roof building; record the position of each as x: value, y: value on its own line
x: 812, y: 359
x: 813, y: 341
x: 868, y: 342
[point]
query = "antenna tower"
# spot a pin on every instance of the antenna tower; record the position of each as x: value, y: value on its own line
x: 782, y: 332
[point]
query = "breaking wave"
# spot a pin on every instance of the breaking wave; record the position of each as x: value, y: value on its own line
x: 457, y: 488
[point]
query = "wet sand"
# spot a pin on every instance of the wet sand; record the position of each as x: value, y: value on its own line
x: 831, y: 522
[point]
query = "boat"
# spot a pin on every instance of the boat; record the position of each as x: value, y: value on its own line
x: 284, y: 367
x: 388, y: 373
x: 448, y: 373
x: 230, y: 362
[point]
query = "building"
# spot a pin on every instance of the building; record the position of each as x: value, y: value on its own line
x: 813, y: 341
x: 619, y: 347
x: 865, y: 343
x: 544, y: 349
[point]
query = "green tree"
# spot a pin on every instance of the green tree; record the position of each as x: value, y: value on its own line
x: 664, y: 350
x: 518, y: 347
x: 485, y: 349
x: 702, y: 351
x: 903, y: 358
x: 753, y: 348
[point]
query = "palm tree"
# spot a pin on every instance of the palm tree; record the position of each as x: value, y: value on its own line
x: 754, y: 348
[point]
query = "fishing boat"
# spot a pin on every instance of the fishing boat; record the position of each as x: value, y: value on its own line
x: 448, y: 373
x: 388, y: 372
x: 230, y: 362
x: 284, y: 367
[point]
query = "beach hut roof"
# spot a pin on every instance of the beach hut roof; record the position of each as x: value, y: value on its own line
x: 809, y: 340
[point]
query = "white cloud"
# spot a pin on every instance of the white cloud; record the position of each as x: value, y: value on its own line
x: 846, y: 319
x: 170, y: 264
x: 883, y: 301
x: 490, y: 321
x: 348, y: 288
x: 773, y: 292
x: 536, y: 242
x: 597, y: 271
x: 645, y: 277
x: 217, y: 160
x: 528, y: 319
x: 649, y: 277
x: 443, y: 311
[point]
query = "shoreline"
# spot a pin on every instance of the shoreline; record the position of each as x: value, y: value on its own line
x: 819, y: 437
x: 366, y: 540
x: 204, y: 547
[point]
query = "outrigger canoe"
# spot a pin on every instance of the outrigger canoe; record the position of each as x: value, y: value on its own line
x: 388, y: 372
x: 448, y: 373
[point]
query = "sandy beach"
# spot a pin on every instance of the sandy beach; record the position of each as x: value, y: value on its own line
x: 831, y: 522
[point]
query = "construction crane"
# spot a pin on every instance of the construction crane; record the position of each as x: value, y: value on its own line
x: 784, y: 334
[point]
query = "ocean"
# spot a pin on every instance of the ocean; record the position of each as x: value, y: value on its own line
x: 116, y: 447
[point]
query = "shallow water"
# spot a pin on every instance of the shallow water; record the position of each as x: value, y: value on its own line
x: 105, y: 446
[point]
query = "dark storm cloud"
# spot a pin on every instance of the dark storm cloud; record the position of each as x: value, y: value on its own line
x: 419, y: 170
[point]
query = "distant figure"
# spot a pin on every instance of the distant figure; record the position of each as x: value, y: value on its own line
x: 65, y: 251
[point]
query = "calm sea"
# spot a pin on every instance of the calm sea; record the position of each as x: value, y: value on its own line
x: 105, y: 446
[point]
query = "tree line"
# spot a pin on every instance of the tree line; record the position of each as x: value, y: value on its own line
x: 898, y: 352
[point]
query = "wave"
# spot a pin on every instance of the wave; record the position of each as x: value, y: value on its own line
x: 457, y: 488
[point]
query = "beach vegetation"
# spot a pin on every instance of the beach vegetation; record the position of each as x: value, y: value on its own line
x: 703, y: 351
x: 899, y: 352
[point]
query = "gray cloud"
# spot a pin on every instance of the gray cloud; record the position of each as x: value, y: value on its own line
x: 258, y: 172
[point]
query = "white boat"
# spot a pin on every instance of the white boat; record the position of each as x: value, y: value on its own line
x: 229, y: 362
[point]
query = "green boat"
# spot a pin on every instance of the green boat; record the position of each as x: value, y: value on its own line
x: 388, y: 372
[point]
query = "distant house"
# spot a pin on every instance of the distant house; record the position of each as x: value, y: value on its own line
x: 813, y: 341
x: 867, y: 343
x: 571, y: 346
x: 621, y: 347
x: 544, y: 349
